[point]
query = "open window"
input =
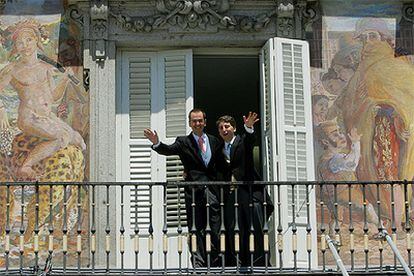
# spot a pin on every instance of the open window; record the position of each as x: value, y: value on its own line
x: 156, y: 91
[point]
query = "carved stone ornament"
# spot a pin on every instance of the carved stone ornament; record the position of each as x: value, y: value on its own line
x: 86, y: 78
x: 99, y: 19
x: 285, y: 10
x: 99, y: 27
x: 193, y: 15
x: 75, y: 14
x: 3, y: 4
x: 285, y: 18
x: 408, y: 11
x: 308, y: 12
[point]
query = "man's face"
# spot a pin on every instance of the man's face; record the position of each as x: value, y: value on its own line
x: 338, y: 138
x: 226, y: 131
x: 343, y: 73
x: 370, y: 36
x: 320, y: 109
x: 334, y: 86
x: 197, y: 122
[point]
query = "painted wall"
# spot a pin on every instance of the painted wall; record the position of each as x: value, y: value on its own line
x: 44, y: 125
x: 363, y: 121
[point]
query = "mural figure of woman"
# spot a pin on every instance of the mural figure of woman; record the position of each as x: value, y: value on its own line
x: 33, y: 80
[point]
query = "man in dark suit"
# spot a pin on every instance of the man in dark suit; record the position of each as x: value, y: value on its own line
x: 238, y: 151
x: 201, y: 155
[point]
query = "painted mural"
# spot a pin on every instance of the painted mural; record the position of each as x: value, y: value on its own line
x: 44, y: 127
x: 363, y: 124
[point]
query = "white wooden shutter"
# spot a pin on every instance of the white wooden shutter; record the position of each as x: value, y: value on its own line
x: 268, y: 113
x: 139, y: 71
x: 176, y: 75
x: 157, y: 93
x: 286, y: 105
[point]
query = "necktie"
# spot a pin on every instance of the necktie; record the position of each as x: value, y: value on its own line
x: 228, y: 147
x: 201, y: 144
x: 227, y: 150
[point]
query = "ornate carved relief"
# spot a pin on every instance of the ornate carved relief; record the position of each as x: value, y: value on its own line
x: 99, y: 27
x: 195, y: 15
x: 308, y: 12
x: 285, y: 18
x: 99, y: 19
x: 2, y: 4
x: 74, y: 14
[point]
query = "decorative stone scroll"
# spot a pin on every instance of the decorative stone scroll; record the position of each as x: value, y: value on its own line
x: 74, y: 14
x: 309, y: 13
x: 408, y: 11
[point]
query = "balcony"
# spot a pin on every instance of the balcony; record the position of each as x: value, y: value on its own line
x: 142, y: 228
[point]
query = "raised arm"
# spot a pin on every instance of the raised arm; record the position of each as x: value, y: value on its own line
x: 251, y: 119
x: 160, y: 147
x: 249, y: 122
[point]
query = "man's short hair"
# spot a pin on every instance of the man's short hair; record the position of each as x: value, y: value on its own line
x: 325, y: 128
x: 196, y: 110
x: 226, y: 119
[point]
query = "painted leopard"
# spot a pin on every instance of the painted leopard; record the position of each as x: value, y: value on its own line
x: 66, y: 165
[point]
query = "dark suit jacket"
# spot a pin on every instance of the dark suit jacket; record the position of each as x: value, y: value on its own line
x: 242, y: 168
x: 187, y: 149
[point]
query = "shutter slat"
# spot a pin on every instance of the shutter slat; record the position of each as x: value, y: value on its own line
x: 296, y: 154
x: 139, y: 96
x: 175, y: 95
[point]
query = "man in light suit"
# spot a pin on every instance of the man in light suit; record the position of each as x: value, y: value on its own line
x: 238, y: 151
x: 201, y: 155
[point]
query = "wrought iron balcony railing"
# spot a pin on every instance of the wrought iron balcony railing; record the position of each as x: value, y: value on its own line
x: 162, y: 228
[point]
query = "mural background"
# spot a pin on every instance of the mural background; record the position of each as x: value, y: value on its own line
x: 44, y: 126
x: 363, y: 126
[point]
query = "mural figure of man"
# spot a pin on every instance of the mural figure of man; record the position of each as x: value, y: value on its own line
x: 33, y: 80
x: 40, y: 144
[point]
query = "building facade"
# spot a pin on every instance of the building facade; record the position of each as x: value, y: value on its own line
x: 118, y: 67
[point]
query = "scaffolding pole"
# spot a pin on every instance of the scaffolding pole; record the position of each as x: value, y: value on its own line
x: 336, y: 256
x: 397, y: 253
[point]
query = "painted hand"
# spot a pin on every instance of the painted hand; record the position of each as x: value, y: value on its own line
x: 4, y: 120
x: 354, y: 136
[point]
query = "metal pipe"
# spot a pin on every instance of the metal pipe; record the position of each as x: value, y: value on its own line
x: 397, y: 253
x: 336, y: 256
